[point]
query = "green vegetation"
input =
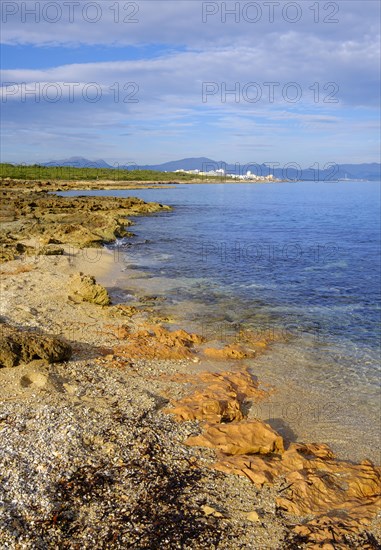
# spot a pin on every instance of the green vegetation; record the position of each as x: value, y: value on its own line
x: 37, y: 172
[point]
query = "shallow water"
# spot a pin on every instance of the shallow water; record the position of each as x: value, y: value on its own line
x: 302, y: 258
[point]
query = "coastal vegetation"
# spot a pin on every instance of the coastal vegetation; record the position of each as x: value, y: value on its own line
x: 36, y: 172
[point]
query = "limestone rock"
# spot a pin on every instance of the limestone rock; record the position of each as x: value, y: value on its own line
x: 78, y: 221
x: 213, y: 406
x: 342, y: 498
x: 232, y: 351
x: 338, y: 500
x: 23, y: 347
x: 85, y: 289
x: 51, y: 251
x: 221, y: 400
x: 240, y: 438
x: 156, y: 342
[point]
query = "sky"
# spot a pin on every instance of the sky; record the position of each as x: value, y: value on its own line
x: 150, y: 81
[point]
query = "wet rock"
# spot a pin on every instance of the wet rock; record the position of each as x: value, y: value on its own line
x: 123, y: 310
x: 240, y: 438
x: 18, y: 347
x: 84, y: 288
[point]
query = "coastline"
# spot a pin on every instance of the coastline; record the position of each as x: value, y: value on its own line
x: 54, y: 405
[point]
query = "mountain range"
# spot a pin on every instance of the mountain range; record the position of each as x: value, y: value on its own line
x: 365, y: 171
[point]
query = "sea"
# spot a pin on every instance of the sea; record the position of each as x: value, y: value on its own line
x: 300, y: 259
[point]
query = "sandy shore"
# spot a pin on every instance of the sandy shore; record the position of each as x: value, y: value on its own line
x: 91, y: 456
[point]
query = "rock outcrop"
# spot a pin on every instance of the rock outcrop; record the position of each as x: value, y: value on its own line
x: 77, y: 221
x: 240, y: 438
x: 18, y: 347
x: 220, y: 398
x: 156, y: 342
x: 335, y: 501
x: 84, y: 288
x: 51, y: 250
x: 232, y: 351
x: 337, y: 498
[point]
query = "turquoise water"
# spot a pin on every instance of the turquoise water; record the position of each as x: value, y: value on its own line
x: 302, y: 257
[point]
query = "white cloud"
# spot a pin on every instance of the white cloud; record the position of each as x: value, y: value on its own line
x: 171, y: 108
x: 182, y: 23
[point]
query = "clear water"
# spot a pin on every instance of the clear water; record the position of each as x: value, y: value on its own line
x: 303, y: 258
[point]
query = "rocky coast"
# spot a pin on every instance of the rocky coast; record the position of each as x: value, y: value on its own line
x: 117, y: 431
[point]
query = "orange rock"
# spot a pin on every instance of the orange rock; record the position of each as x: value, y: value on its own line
x: 259, y: 341
x: 248, y: 437
x: 178, y: 337
x: 343, y: 497
x: 232, y: 351
x: 242, y: 382
x: 156, y: 342
x: 208, y: 405
x: 221, y: 400
x: 120, y: 332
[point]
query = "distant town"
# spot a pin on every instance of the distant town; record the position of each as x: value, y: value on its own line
x: 249, y: 176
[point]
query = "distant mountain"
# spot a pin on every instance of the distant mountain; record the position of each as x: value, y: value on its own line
x: 79, y: 162
x: 198, y: 163
x: 335, y: 172
x: 361, y: 171
x: 371, y: 171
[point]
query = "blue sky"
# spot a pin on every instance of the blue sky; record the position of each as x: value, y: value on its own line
x: 151, y: 81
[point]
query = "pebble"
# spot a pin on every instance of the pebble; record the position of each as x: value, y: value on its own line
x: 253, y: 516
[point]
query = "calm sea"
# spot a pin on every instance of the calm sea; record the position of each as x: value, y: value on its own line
x: 298, y: 258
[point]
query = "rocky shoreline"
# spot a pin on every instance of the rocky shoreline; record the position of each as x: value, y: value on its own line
x: 117, y: 432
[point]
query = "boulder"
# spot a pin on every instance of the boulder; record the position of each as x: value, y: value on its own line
x: 84, y: 288
x: 18, y: 347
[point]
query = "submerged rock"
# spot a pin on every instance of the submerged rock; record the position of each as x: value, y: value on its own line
x: 86, y: 289
x: 18, y: 347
